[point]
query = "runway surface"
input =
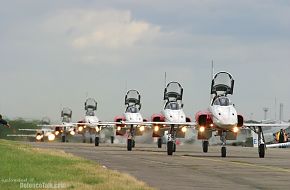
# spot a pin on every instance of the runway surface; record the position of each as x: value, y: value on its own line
x: 189, y: 168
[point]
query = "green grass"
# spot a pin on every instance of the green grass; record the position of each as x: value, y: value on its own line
x: 36, y: 166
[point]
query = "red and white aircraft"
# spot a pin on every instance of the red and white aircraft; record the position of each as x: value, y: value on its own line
x: 222, y: 118
x: 40, y: 133
x: 91, y: 122
x: 172, y: 117
x: 66, y: 127
x: 131, y: 123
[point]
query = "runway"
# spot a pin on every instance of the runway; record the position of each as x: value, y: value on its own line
x: 189, y: 168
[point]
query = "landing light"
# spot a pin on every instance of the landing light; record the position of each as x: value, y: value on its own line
x: 184, y: 129
x: 72, y: 133
x: 202, y: 129
x: 80, y: 128
x: 142, y: 128
x: 236, y: 129
x: 97, y: 129
x: 211, y: 125
x: 51, y: 137
x: 38, y: 137
x: 56, y: 133
x: 156, y: 128
x: 118, y: 128
x: 85, y: 127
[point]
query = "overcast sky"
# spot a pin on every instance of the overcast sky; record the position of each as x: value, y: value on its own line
x: 54, y: 54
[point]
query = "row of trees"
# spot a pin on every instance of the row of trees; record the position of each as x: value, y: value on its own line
x: 16, y: 124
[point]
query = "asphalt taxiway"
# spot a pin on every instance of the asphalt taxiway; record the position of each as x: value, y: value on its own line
x: 189, y: 167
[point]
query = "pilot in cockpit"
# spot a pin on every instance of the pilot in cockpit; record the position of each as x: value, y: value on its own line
x: 90, y: 113
x: 222, y: 101
x: 132, y: 109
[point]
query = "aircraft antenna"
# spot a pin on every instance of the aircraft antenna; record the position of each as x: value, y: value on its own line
x: 165, y: 79
x: 211, y: 96
x: 275, y: 109
x: 212, y: 69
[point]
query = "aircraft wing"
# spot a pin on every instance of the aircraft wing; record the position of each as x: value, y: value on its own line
x: 20, y: 135
x: 152, y: 123
x: 58, y: 125
x: 173, y: 123
x: 99, y: 123
x: 278, y: 145
x: 267, y: 124
x: 34, y: 130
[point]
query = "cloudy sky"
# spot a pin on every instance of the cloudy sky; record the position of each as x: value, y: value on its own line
x: 54, y: 54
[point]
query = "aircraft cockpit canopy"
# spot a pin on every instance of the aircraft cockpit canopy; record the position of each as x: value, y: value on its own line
x: 133, y: 98
x: 222, y: 101
x: 45, y: 121
x: 91, y: 104
x: 222, y: 83
x: 132, y: 109
x: 66, y: 112
x: 172, y: 106
x: 173, y: 91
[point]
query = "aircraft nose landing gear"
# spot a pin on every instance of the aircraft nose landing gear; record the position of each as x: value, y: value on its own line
x: 223, y: 148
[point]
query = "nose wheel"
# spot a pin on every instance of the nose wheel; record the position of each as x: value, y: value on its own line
x: 224, y: 151
x: 205, y: 146
x: 159, y: 142
x: 129, y: 144
x: 63, y: 138
x: 130, y: 140
x: 97, y: 141
x: 223, y: 148
x: 171, y: 145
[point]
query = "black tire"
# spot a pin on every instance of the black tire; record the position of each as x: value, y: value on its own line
x: 63, y: 138
x: 174, y: 147
x: 205, y: 146
x: 129, y: 144
x: 84, y: 140
x: 262, y: 150
x: 97, y: 141
x: 112, y: 139
x: 133, y: 143
x: 159, y: 143
x: 91, y: 140
x: 169, y: 148
x: 224, y: 151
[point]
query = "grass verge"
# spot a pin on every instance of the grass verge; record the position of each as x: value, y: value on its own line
x: 24, y: 167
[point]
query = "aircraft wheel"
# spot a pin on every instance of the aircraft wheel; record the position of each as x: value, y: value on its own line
x: 97, y: 139
x: 133, y: 143
x: 262, y: 150
x: 63, y: 138
x: 159, y: 143
x: 205, y: 146
x: 169, y: 148
x: 91, y: 140
x: 84, y: 140
x: 174, y: 147
x: 129, y: 144
x: 224, y: 151
x: 112, y: 139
